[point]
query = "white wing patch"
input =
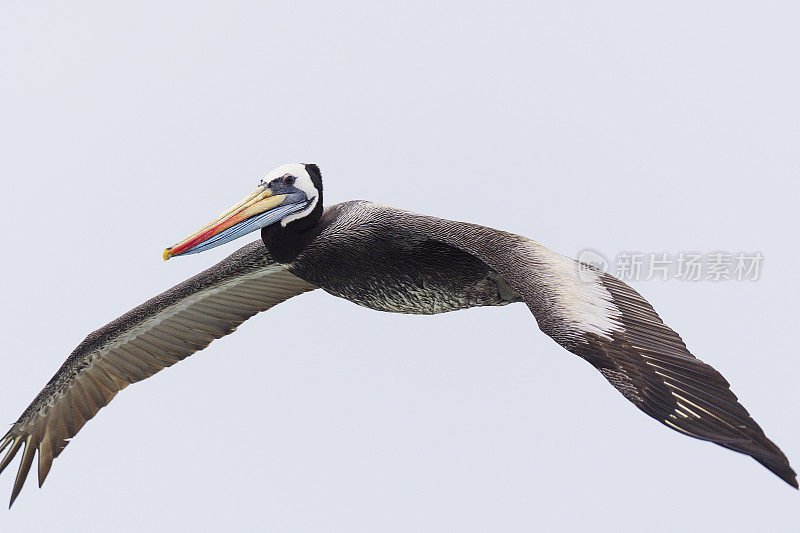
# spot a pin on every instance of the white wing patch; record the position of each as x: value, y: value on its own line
x: 586, y: 303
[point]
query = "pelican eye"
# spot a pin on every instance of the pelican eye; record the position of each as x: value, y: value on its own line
x: 289, y: 180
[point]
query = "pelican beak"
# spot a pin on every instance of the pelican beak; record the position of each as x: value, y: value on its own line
x: 259, y: 209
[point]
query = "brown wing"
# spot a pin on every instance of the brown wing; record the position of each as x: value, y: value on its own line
x: 154, y: 335
x: 606, y: 322
x: 603, y: 320
x: 651, y: 366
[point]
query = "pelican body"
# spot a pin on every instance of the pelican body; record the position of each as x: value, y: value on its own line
x: 396, y: 261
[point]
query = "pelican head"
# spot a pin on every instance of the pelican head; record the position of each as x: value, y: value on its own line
x: 289, y: 196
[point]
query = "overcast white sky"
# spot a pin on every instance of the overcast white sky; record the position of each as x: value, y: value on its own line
x: 615, y: 125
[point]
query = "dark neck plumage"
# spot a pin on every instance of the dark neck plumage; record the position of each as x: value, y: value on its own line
x: 286, y: 243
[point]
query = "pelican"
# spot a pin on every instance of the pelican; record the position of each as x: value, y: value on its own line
x: 389, y: 260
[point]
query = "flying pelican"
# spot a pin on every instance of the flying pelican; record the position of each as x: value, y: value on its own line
x: 389, y: 260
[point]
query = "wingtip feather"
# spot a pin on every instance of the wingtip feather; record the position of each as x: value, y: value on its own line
x: 24, y: 467
x: 15, y: 445
x: 780, y: 467
x: 45, y: 460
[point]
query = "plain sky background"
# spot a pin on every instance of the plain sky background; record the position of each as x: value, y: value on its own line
x: 618, y: 126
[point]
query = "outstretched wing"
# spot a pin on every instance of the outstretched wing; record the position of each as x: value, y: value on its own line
x: 155, y: 335
x: 606, y: 322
